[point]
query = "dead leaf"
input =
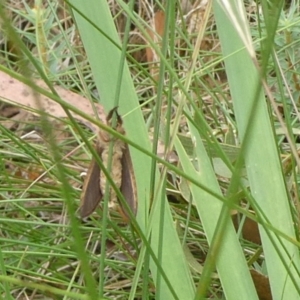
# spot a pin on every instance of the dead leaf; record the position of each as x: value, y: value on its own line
x: 17, y: 93
x: 250, y: 229
x: 156, y: 34
x: 262, y: 285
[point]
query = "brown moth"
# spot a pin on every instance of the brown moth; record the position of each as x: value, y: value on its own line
x: 121, y: 171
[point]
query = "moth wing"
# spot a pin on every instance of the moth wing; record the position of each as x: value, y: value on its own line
x: 91, y: 192
x: 128, y: 185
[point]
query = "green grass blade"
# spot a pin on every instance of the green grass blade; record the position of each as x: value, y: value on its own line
x: 228, y: 251
x: 261, y: 155
x: 104, y: 58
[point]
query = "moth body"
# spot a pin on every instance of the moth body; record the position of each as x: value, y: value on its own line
x: 121, y: 171
x: 118, y: 147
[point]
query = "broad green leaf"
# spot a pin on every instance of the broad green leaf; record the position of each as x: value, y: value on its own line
x: 260, y: 155
x: 105, y: 58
